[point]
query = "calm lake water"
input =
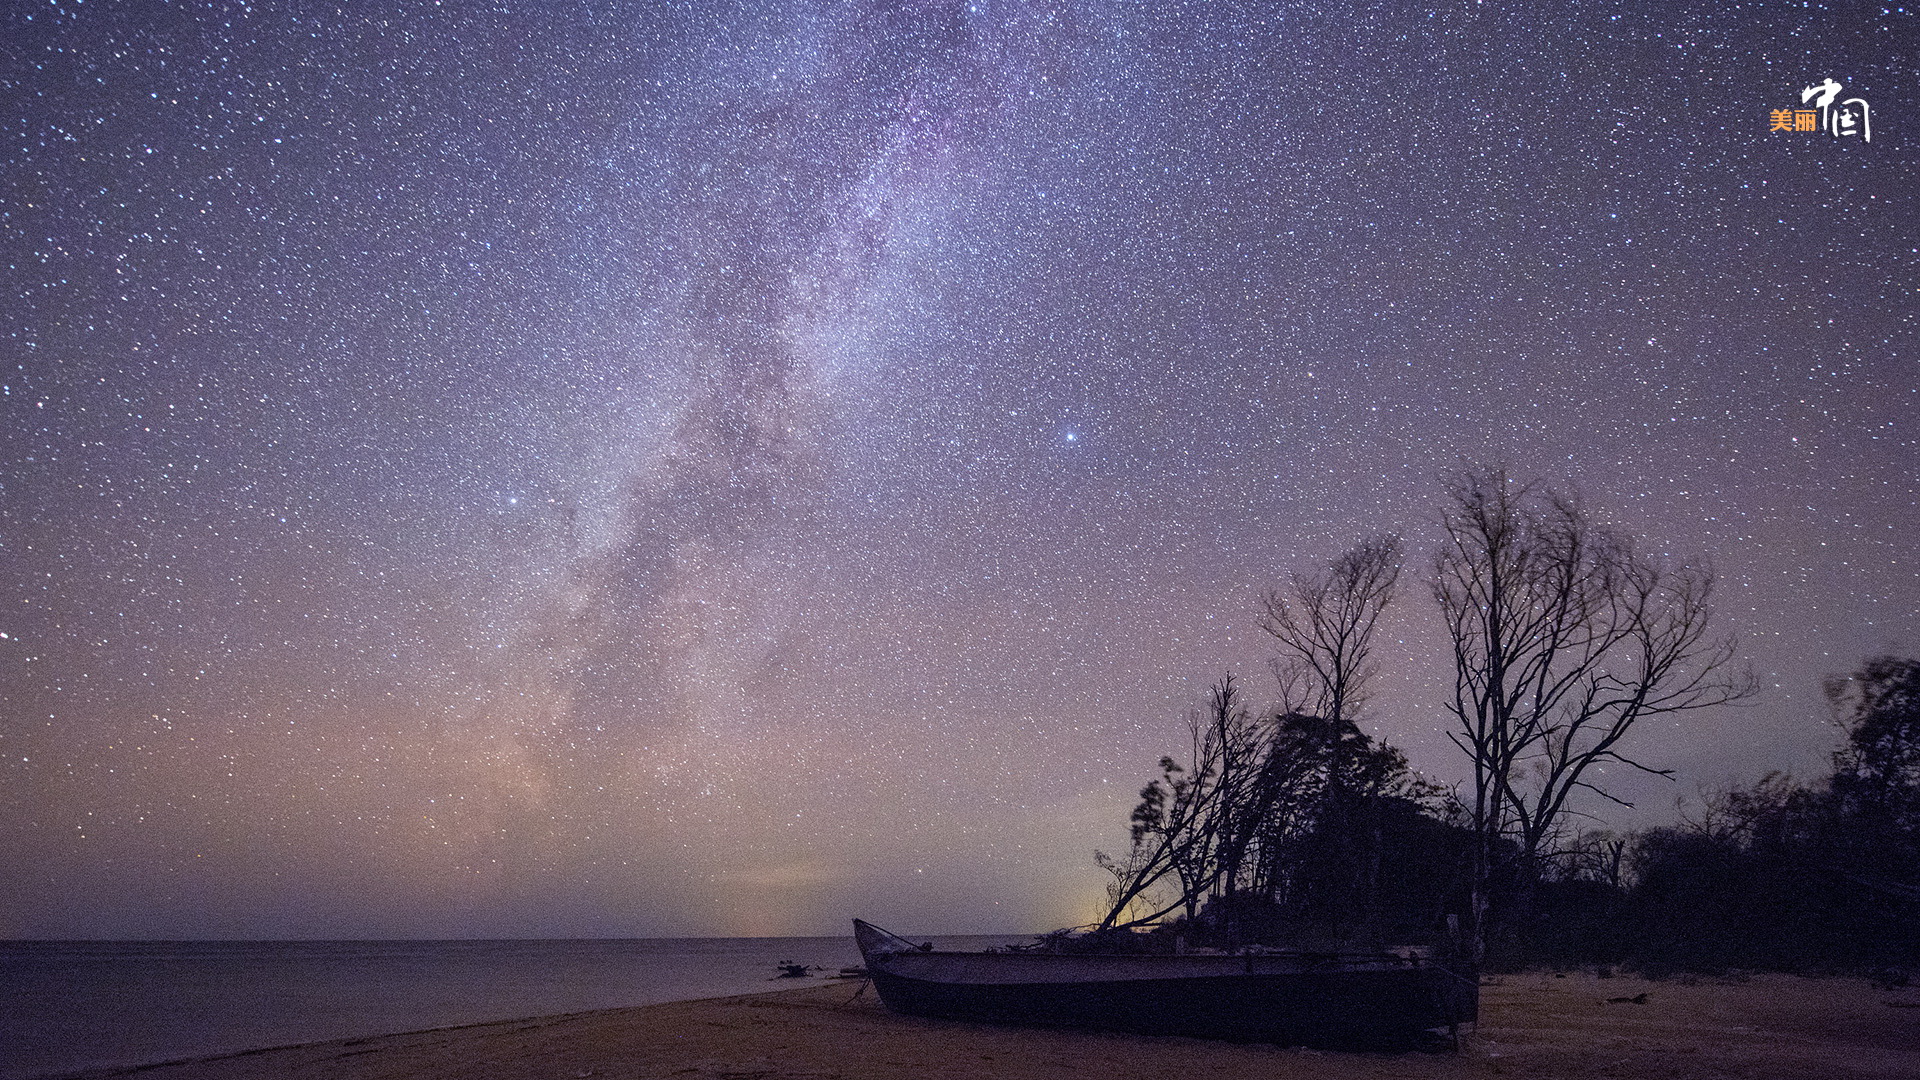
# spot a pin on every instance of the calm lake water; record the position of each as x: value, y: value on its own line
x: 66, y: 1006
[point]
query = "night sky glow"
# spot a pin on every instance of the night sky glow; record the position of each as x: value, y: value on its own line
x: 643, y: 469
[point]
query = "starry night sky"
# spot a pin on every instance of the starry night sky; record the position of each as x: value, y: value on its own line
x: 647, y: 469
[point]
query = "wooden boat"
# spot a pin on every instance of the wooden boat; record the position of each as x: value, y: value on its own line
x: 1322, y: 999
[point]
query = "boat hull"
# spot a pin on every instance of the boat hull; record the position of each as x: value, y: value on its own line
x: 1371, y: 1000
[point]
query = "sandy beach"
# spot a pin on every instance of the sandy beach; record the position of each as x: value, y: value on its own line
x: 1533, y: 1025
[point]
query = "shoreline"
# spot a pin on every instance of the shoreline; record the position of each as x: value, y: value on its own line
x: 118, y: 1004
x: 1539, y: 1024
x: 149, y: 1066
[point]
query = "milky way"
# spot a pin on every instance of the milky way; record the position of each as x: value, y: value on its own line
x: 722, y: 468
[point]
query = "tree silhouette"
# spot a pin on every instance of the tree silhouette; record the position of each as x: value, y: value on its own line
x: 1188, y: 817
x: 1285, y: 826
x: 1324, y: 623
x: 1878, y: 771
x: 1564, y: 637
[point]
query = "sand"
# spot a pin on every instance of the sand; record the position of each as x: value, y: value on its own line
x: 1535, y: 1025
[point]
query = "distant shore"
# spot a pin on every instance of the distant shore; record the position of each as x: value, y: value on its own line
x: 1533, y: 1025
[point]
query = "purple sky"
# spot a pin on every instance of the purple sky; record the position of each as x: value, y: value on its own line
x: 631, y: 469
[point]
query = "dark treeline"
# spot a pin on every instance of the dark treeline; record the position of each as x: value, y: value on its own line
x: 1296, y: 832
x: 1292, y: 827
x: 1287, y: 828
x: 1774, y: 875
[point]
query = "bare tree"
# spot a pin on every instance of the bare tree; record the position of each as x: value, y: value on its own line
x: 1564, y: 637
x: 1189, y: 824
x: 1324, y: 622
x: 1596, y: 855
